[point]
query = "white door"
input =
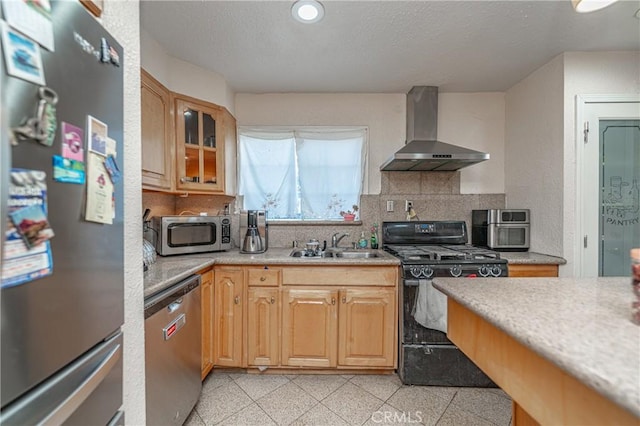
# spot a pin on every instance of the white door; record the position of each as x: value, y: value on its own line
x: 609, y: 187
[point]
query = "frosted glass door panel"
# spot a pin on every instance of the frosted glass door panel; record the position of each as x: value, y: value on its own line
x: 619, y: 195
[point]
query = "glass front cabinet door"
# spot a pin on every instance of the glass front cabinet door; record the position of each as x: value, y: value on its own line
x: 199, y: 146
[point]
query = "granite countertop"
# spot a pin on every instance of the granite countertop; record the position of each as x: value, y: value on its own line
x: 531, y: 257
x: 168, y: 270
x: 581, y: 325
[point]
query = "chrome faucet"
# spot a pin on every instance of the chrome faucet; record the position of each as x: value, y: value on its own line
x: 335, y: 240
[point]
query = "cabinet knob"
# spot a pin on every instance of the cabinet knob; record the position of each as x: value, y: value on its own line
x: 236, y: 300
x: 344, y: 299
x: 263, y: 278
x: 333, y: 300
x: 273, y: 300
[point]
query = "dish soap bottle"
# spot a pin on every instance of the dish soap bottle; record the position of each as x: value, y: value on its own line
x: 362, y: 242
x: 374, y: 236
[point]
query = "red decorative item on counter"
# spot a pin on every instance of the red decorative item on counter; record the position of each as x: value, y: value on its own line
x: 635, y: 283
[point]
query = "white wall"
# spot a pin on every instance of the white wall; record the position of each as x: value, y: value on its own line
x: 587, y: 73
x: 476, y: 121
x: 473, y: 120
x: 121, y: 18
x: 540, y: 148
x: 184, y: 77
x: 534, y: 153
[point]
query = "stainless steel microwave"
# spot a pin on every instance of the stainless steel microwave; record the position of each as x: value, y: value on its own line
x: 191, y: 234
x: 501, y: 229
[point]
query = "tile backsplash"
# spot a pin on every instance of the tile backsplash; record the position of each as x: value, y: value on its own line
x: 435, y: 196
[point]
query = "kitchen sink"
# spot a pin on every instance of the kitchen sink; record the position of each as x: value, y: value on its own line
x: 333, y: 252
x: 355, y: 254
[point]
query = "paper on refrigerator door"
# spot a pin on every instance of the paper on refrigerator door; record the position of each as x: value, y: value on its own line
x: 99, y: 206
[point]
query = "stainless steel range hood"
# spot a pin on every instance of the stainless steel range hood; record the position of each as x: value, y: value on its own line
x: 422, y: 151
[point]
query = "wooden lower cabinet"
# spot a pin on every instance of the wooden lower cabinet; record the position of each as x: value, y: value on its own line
x: 228, y: 316
x: 206, y: 292
x: 532, y: 270
x: 263, y: 326
x: 367, y: 327
x: 309, y: 327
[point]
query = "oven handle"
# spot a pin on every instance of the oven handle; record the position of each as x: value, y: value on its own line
x: 411, y: 283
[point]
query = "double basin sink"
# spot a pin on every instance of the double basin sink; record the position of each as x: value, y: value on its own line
x: 336, y: 252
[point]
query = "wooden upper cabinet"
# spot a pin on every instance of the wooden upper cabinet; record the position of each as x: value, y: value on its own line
x: 200, y: 139
x: 157, y: 144
x: 367, y: 327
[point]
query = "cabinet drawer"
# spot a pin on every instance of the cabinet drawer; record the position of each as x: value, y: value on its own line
x: 342, y: 276
x: 263, y: 277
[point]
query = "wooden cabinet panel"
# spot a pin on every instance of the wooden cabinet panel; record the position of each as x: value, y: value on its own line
x: 264, y: 277
x: 532, y: 270
x: 200, y: 140
x: 263, y: 326
x: 228, y: 311
x: 341, y: 275
x: 207, y: 321
x: 156, y: 141
x: 309, y: 327
x: 367, y: 327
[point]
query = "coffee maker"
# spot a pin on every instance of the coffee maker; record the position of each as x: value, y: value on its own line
x: 254, y: 231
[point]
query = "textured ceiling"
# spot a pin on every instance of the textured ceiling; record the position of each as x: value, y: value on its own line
x: 383, y: 46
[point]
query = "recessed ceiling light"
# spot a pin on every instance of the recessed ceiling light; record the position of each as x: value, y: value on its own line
x: 307, y: 11
x: 584, y: 6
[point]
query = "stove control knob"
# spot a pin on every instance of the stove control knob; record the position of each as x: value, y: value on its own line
x: 415, y: 271
x: 496, y: 271
x: 484, y: 271
x: 456, y: 270
x: 427, y: 272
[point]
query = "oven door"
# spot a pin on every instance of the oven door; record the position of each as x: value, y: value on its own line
x: 508, y: 236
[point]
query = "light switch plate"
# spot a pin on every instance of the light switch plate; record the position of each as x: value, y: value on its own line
x: 390, y: 205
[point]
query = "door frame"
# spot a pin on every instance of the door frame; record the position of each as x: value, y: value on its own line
x: 583, y: 102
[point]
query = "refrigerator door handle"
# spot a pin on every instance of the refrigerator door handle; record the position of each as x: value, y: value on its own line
x: 67, y: 407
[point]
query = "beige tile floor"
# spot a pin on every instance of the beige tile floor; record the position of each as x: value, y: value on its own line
x: 328, y: 400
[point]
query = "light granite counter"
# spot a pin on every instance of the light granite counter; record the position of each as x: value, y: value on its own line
x: 531, y: 257
x: 581, y: 325
x: 171, y: 269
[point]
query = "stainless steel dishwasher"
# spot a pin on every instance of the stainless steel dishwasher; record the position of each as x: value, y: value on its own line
x: 172, y: 352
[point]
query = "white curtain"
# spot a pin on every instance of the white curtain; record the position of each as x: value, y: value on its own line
x: 301, y: 174
x: 331, y: 171
x: 267, y: 177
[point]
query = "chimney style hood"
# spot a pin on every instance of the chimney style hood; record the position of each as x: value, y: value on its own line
x: 422, y: 151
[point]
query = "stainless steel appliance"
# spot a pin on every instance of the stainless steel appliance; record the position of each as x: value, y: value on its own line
x: 172, y: 352
x: 61, y: 339
x: 422, y: 150
x: 501, y: 229
x: 254, y: 231
x: 191, y: 234
x: 430, y: 249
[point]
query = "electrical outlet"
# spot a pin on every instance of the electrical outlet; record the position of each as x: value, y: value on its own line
x: 390, y: 205
x: 408, y: 205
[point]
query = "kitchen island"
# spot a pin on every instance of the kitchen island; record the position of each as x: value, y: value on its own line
x: 564, y: 349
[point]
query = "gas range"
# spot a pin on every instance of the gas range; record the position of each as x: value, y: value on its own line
x: 430, y: 249
x: 439, y: 249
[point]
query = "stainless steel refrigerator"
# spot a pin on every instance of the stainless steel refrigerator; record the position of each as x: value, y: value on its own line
x: 61, y: 339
